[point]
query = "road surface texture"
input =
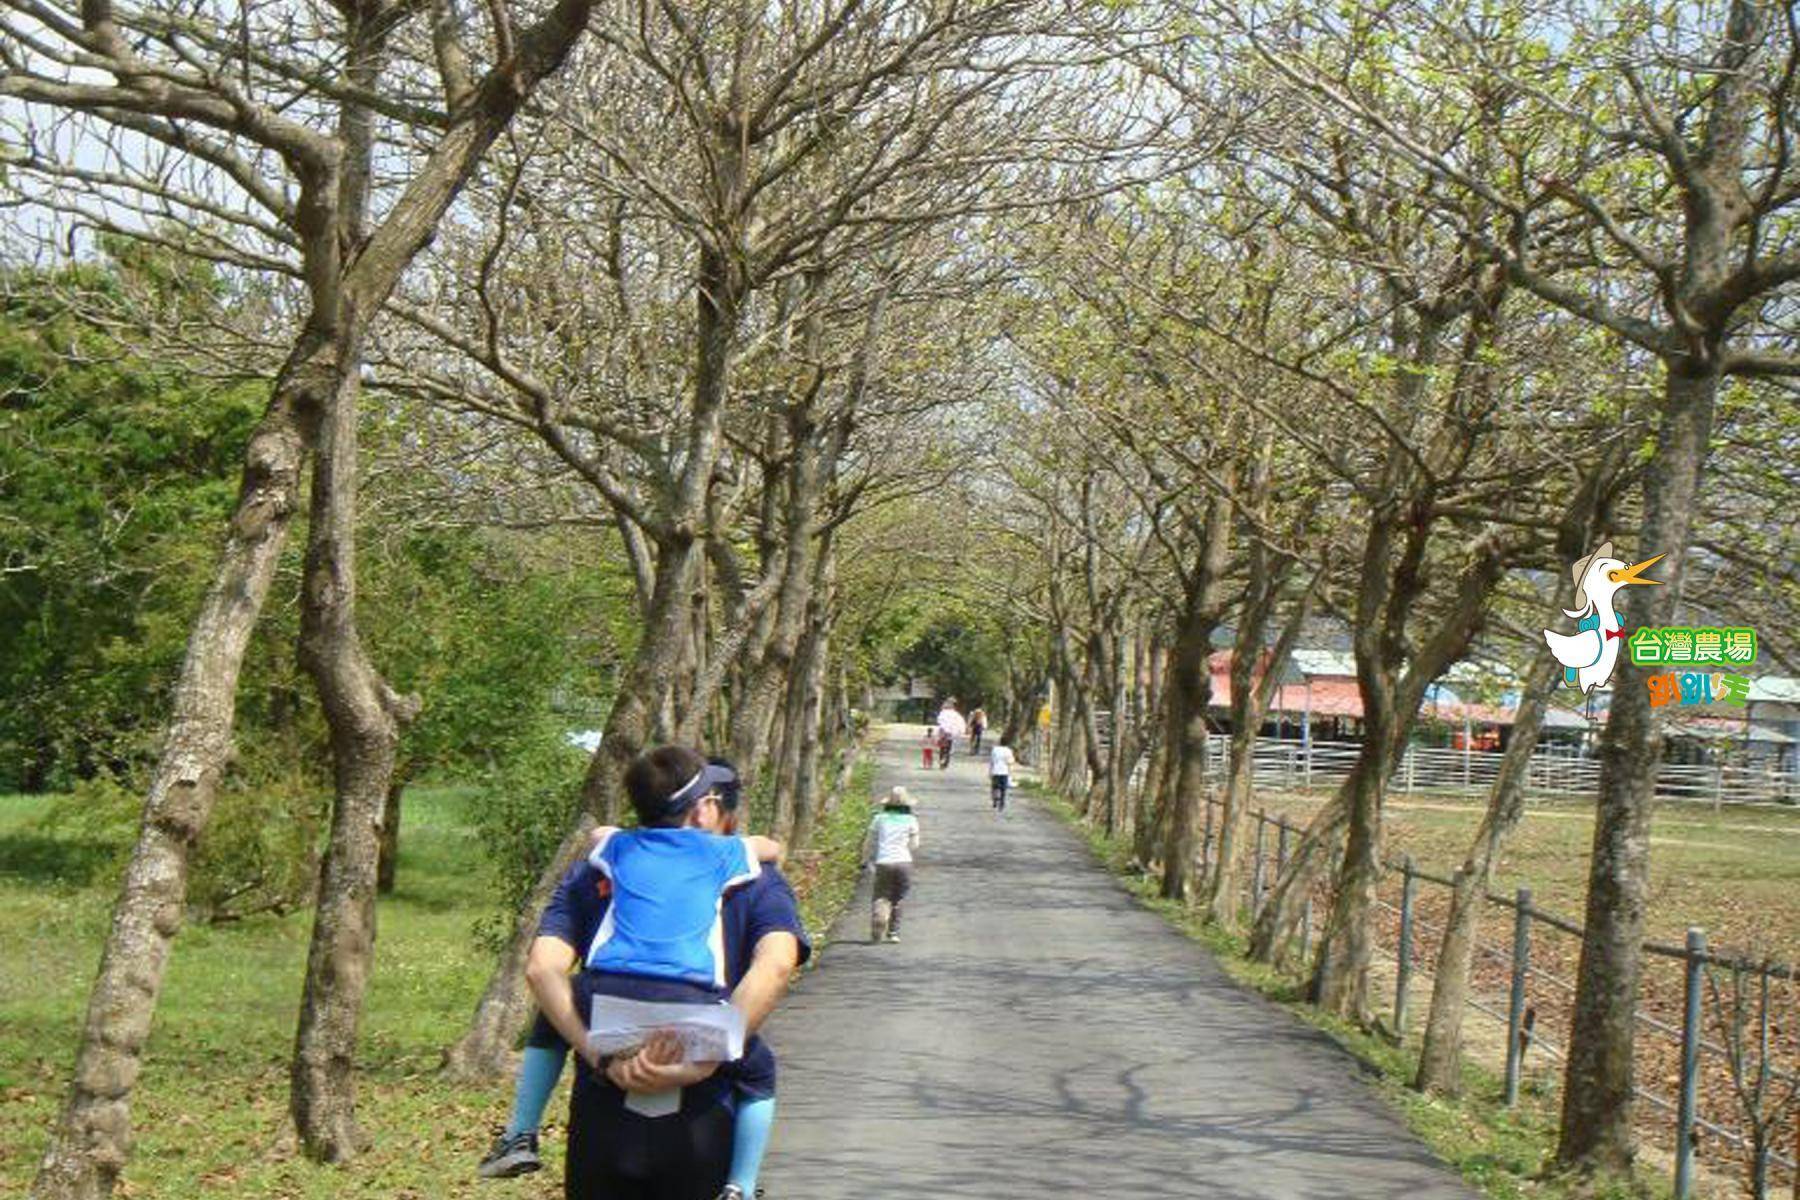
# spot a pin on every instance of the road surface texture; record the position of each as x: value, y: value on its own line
x: 1037, y: 1034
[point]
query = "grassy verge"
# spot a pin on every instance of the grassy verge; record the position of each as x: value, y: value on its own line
x: 1498, y: 1150
x: 210, y: 1111
x: 1736, y: 873
x: 825, y: 877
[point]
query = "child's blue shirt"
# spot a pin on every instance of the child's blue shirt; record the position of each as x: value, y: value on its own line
x: 668, y: 891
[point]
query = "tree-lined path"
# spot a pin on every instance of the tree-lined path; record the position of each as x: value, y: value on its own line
x: 1036, y: 1032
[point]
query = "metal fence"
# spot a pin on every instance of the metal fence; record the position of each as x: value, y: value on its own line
x: 1525, y: 984
x: 1291, y: 763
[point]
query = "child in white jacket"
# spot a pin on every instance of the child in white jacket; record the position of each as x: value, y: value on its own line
x: 893, y: 836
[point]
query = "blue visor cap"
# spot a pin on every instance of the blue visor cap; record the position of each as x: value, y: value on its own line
x: 724, y: 779
x: 712, y: 779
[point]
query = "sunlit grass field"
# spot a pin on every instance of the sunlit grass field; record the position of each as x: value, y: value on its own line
x: 1735, y: 873
x: 210, y: 1114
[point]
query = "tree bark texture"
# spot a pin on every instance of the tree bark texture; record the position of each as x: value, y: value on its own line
x: 1189, y: 691
x: 1600, y: 1076
x: 1440, y: 1058
x: 807, y: 734
x: 482, y: 1051
x: 365, y: 718
x: 90, y: 1144
x: 387, y: 867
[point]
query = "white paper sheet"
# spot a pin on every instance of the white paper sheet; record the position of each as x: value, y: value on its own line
x: 707, y: 1032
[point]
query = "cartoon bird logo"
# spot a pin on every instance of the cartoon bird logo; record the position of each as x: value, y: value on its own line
x: 1589, y: 654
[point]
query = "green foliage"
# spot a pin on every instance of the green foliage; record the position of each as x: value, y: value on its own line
x: 825, y: 878
x: 494, y: 639
x: 116, y: 473
x: 520, y: 812
x: 259, y: 853
x: 961, y: 642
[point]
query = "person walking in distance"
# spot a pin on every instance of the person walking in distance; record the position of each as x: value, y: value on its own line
x: 893, y: 836
x: 1000, y: 765
x: 928, y: 744
x: 977, y: 727
x: 950, y: 726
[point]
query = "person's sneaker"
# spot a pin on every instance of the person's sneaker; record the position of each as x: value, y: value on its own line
x: 515, y: 1155
x: 734, y: 1192
x: 892, y: 937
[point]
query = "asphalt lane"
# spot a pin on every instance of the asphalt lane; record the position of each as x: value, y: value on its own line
x: 1036, y: 1033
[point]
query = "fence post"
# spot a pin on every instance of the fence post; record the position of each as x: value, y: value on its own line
x: 1515, y: 1008
x: 1718, y: 786
x: 1206, y: 839
x: 1256, y: 868
x: 1307, y: 749
x: 1409, y: 771
x: 1403, y: 976
x: 1306, y: 936
x: 1690, y: 1066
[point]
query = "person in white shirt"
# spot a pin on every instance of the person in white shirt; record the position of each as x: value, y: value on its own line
x: 893, y: 836
x: 1000, y: 765
x: 950, y: 726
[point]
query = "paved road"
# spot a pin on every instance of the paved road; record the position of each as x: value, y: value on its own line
x: 1038, y: 1034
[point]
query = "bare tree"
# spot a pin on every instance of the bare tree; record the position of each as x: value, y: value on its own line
x: 289, y: 133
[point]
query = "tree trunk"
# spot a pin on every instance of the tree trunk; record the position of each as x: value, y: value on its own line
x: 364, y: 717
x: 1312, y: 856
x: 1222, y: 884
x: 481, y: 1053
x: 1597, y: 1088
x: 90, y: 1144
x: 1440, y: 1058
x: 812, y: 711
x: 1340, y: 979
x: 1190, y: 685
x: 387, y: 864
x: 1250, y: 700
x: 1122, y: 751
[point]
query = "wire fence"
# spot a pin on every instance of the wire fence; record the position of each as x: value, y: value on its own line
x: 1717, y: 1048
x: 1293, y: 763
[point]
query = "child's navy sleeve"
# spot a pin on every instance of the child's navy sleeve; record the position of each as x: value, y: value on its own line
x: 573, y: 914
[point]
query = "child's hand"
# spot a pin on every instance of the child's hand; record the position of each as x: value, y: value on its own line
x: 602, y: 832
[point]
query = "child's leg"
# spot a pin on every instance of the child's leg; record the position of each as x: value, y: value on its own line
x: 750, y: 1140
x: 539, y: 1070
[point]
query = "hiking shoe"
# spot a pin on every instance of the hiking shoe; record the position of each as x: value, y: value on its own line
x: 734, y: 1192
x: 515, y: 1155
x: 892, y: 937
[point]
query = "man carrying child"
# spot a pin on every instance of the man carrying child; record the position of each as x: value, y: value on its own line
x: 670, y: 912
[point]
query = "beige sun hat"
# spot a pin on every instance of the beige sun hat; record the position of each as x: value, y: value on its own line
x: 1581, y: 565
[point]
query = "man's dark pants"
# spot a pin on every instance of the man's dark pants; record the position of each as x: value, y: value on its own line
x: 616, y: 1154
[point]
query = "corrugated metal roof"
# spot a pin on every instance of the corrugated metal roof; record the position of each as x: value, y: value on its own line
x: 1776, y: 689
x: 1325, y: 662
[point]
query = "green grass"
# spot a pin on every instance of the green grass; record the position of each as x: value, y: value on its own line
x: 1735, y: 873
x: 826, y: 876
x: 1500, y: 1151
x: 210, y: 1112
